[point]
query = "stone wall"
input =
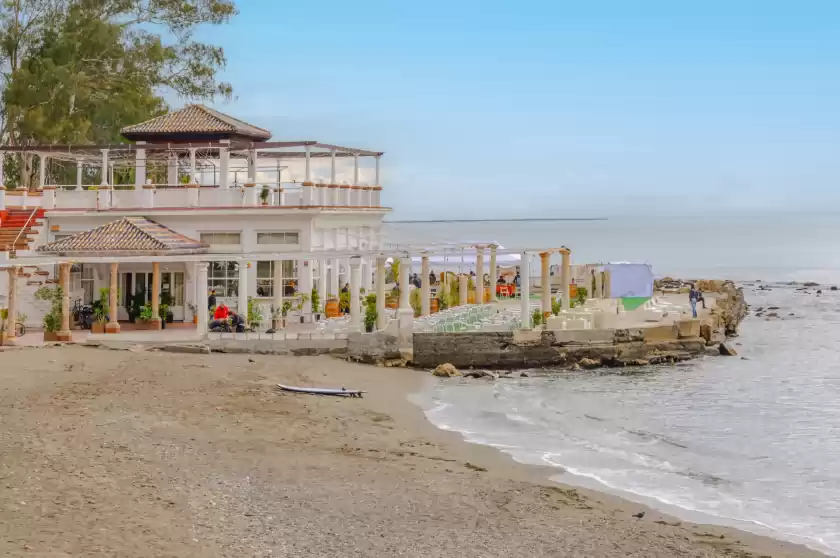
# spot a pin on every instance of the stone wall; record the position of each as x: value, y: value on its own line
x: 539, y: 348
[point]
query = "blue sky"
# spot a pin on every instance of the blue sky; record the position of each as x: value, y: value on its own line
x: 556, y: 109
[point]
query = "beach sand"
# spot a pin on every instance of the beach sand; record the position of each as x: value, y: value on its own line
x: 116, y: 453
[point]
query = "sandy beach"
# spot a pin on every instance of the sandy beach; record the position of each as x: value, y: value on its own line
x: 119, y: 453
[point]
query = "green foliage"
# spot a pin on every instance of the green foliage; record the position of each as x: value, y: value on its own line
x: 255, y: 315
x: 264, y: 196
x: 52, y: 319
x: 537, y: 318
x: 146, y: 314
x: 163, y: 309
x: 556, y: 306
x: 415, y: 301
x: 394, y: 272
x: 344, y: 302
x: 370, y: 312
x: 101, y: 306
x: 443, y: 297
x: 285, y: 307
x: 580, y: 297
x: 316, y: 300
x: 76, y: 72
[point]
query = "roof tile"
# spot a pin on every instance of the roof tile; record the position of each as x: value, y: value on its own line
x: 196, y: 119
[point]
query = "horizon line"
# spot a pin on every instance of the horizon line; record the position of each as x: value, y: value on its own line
x: 515, y: 220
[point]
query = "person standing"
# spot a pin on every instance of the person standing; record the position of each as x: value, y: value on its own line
x: 211, y: 300
x: 693, y: 295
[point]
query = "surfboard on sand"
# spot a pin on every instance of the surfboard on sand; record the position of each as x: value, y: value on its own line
x: 341, y: 392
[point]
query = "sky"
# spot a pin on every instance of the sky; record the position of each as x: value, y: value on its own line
x: 511, y: 109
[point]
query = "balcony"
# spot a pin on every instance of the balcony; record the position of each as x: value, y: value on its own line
x: 193, y: 196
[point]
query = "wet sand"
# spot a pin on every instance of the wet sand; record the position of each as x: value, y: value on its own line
x: 114, y: 453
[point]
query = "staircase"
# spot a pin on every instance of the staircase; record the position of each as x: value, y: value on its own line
x: 16, y: 228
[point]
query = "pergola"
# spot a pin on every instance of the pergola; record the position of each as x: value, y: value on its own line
x: 196, y: 137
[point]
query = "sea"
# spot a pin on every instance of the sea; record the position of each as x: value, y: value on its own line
x: 750, y: 442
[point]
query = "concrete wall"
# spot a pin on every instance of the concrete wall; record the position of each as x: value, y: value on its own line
x: 538, y: 348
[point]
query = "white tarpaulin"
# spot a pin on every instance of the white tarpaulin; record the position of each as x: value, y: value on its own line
x: 630, y: 280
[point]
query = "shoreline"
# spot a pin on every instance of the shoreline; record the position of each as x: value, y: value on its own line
x: 143, y: 453
x: 655, y: 510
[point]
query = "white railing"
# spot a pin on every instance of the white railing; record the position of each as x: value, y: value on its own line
x: 178, y: 196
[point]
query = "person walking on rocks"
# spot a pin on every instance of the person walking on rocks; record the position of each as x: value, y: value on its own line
x: 693, y: 295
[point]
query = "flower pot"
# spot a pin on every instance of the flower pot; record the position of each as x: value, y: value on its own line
x: 50, y: 336
x: 331, y: 308
x: 369, y: 328
x: 142, y: 325
x: 195, y: 320
x: 435, y: 305
x: 97, y: 327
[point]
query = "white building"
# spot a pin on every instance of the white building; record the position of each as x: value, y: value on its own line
x: 269, y: 207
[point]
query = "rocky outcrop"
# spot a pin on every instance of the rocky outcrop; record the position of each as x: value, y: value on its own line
x: 445, y: 370
x: 731, y: 308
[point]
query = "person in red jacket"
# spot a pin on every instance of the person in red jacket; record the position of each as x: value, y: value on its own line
x: 222, y: 312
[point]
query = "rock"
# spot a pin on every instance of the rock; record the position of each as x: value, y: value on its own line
x: 727, y: 350
x: 445, y: 371
x: 810, y: 284
x: 772, y: 307
x: 819, y: 292
x: 480, y: 374
x: 588, y: 363
x: 791, y: 314
x: 638, y: 362
x: 833, y: 288
x: 713, y: 351
x: 400, y: 363
x: 639, y: 515
x: 773, y: 315
x: 706, y: 332
x: 524, y: 375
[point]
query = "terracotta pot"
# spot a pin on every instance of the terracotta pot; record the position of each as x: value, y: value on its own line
x: 331, y: 308
x: 97, y: 327
x: 50, y: 336
x: 435, y: 305
x: 195, y: 320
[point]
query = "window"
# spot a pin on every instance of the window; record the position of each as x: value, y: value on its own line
x: 265, y: 278
x: 223, y: 277
x: 221, y: 238
x: 278, y: 238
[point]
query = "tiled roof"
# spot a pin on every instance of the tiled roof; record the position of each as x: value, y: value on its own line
x: 129, y: 235
x: 197, y: 119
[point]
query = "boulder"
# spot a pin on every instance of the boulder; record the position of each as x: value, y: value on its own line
x: 445, y: 371
x: 480, y: 374
x: 727, y: 350
x: 588, y: 363
x: 810, y: 284
x: 833, y: 288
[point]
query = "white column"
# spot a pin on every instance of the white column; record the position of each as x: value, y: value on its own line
x: 252, y: 165
x: 139, y: 166
x: 80, y: 169
x: 599, y: 284
x: 479, y: 274
x: 525, y: 290
x: 193, y: 178
x: 113, y: 325
x: 405, y: 283
x: 305, y: 282
x: 308, y: 169
x: 381, y: 316
x: 42, y: 170
x: 332, y: 168
x: 545, y: 283
x: 376, y: 175
x: 104, y: 167
x: 463, y: 289
x: 494, y: 273
x: 355, y: 169
x: 566, y: 278
x: 224, y: 157
x: 242, y: 301
x: 335, y: 287
x: 172, y: 168
x: 277, y: 277
x: 425, y: 288
x: 322, y: 283
x: 355, y: 299
x: 201, y: 303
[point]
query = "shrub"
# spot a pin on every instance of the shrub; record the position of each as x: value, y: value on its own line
x: 52, y: 320
x: 370, y: 312
x: 537, y: 318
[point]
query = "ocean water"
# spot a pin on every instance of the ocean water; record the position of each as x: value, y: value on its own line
x: 754, y: 443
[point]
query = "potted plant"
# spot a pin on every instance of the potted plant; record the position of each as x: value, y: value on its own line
x: 163, y: 314
x: 145, y: 316
x: 344, y: 302
x: 166, y: 300
x: 316, y: 304
x: 299, y: 307
x: 370, y: 312
x: 264, y: 193
x: 194, y: 311
x: 100, y: 311
x: 52, y: 319
x: 255, y: 315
